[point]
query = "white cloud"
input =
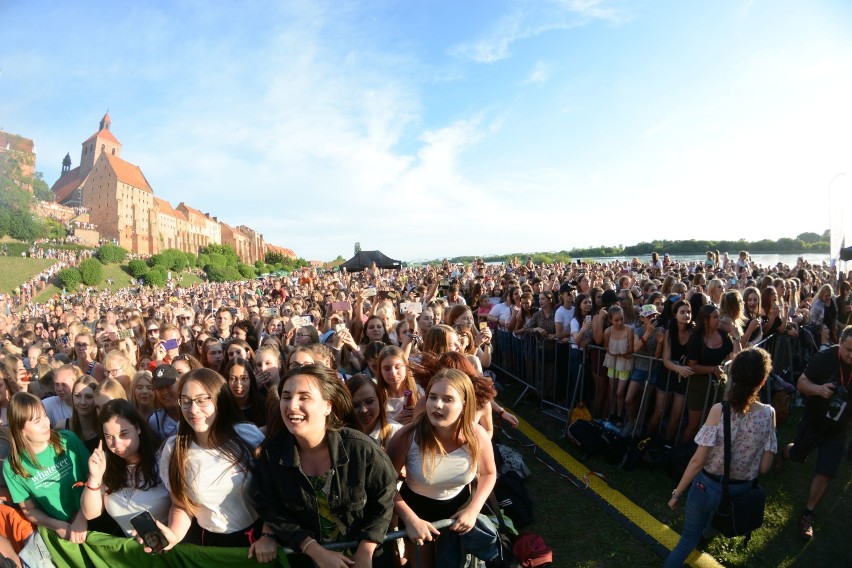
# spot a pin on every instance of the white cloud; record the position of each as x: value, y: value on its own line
x: 530, y: 19
x: 539, y: 75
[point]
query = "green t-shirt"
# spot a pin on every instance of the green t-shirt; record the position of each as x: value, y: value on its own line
x: 51, y: 487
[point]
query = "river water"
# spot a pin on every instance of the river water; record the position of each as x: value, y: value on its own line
x: 759, y: 259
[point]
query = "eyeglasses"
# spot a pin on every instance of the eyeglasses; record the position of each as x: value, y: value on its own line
x: 114, y: 371
x: 82, y: 345
x: 201, y: 401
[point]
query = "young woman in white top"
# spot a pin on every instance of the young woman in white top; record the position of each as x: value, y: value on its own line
x: 124, y: 478
x: 207, y: 467
x: 753, y: 445
x: 442, y: 451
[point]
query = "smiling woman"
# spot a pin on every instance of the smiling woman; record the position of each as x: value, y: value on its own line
x: 206, y: 466
x: 317, y: 482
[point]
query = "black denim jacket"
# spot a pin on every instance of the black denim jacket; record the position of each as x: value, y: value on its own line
x: 363, y: 486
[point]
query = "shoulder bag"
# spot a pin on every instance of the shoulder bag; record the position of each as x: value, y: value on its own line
x: 743, y: 513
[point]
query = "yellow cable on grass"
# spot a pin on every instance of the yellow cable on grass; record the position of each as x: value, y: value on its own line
x: 635, y: 514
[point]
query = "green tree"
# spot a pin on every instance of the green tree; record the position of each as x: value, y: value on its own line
x: 357, y: 247
x: 69, y: 278
x: 273, y: 257
x: 157, y: 276
x: 246, y: 271
x: 91, y: 271
x: 111, y: 254
x: 41, y: 190
x: 137, y: 268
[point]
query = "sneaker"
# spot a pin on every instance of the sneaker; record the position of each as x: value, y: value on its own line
x: 806, y: 527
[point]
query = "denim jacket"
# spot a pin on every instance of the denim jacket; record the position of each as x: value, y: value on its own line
x: 363, y: 486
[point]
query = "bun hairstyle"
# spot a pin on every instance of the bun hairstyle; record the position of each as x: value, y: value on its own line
x: 748, y: 372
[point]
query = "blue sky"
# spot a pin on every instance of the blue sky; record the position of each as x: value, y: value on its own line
x: 431, y: 129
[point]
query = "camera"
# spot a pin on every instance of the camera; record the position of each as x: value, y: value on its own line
x: 837, y: 402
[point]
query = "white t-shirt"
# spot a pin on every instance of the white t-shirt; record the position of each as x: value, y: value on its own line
x: 503, y: 313
x: 564, y: 316
x: 57, y: 411
x: 396, y: 405
x: 126, y: 503
x: 220, y: 489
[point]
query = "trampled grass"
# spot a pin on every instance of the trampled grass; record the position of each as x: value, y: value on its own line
x: 583, y: 534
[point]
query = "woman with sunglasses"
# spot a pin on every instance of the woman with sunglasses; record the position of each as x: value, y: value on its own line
x: 207, y: 465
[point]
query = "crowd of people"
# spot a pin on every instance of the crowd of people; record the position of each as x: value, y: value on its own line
x: 333, y: 406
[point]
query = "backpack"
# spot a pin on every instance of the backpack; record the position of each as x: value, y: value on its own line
x: 531, y: 551
x: 589, y: 436
x: 513, y: 498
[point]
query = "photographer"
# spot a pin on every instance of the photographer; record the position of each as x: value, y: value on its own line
x: 826, y: 384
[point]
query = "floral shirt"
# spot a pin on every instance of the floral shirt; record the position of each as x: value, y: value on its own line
x: 751, y: 435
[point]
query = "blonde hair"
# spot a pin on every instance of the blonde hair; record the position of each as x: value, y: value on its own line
x: 464, y: 431
x: 111, y: 388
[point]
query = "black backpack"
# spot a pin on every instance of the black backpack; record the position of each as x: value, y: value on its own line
x: 589, y: 436
x: 513, y: 498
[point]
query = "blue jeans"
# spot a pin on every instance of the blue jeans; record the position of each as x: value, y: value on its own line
x: 703, y: 500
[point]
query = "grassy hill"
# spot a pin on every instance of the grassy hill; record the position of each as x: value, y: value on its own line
x: 16, y: 270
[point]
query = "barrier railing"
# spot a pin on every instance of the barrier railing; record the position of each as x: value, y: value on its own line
x: 563, y: 375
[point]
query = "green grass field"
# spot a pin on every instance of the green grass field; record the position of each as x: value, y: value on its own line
x: 15, y: 270
x: 582, y: 534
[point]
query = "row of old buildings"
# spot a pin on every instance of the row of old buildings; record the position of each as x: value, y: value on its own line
x: 114, y: 196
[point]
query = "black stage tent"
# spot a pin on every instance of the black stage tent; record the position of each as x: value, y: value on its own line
x: 362, y: 260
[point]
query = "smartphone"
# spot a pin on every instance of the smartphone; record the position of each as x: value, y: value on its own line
x: 338, y: 327
x: 414, y: 307
x: 588, y: 319
x: 344, y: 306
x: 150, y: 533
x: 270, y: 312
x: 371, y: 292
x: 125, y: 333
x: 170, y: 344
x: 483, y: 325
x: 233, y: 311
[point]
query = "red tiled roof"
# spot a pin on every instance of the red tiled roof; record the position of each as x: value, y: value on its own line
x: 191, y: 210
x: 164, y: 207
x: 103, y: 133
x: 66, y: 184
x: 285, y: 251
x: 128, y: 173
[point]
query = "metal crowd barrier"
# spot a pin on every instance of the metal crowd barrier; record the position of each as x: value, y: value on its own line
x: 544, y: 367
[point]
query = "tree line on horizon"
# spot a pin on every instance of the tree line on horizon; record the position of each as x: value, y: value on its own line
x: 803, y: 243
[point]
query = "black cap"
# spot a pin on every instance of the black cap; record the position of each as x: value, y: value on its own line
x: 609, y: 297
x: 566, y: 287
x: 164, y: 376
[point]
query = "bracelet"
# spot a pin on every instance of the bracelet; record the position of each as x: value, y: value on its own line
x: 501, y: 412
x: 96, y: 488
x: 307, y: 546
x: 675, y: 494
x: 268, y: 535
